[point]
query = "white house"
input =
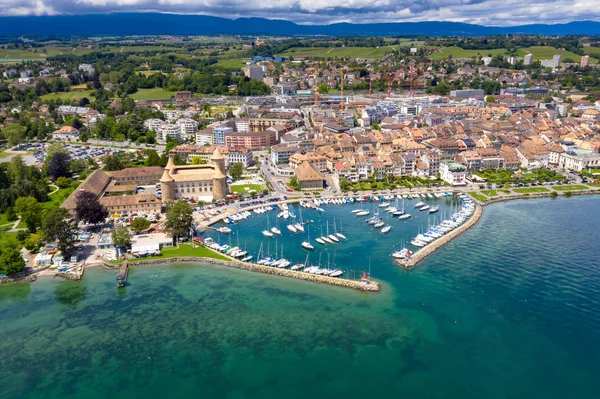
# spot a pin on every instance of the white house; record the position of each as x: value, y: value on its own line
x: 66, y: 133
x: 453, y: 173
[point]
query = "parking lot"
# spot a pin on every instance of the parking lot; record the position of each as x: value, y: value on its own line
x: 75, y: 151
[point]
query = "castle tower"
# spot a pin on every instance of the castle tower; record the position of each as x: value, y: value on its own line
x: 170, y: 165
x: 167, y: 186
x: 219, y: 178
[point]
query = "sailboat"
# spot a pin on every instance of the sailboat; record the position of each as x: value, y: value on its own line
x: 306, y: 244
x: 292, y: 228
x: 283, y: 263
x: 340, y: 235
x: 419, y: 204
x: 332, y: 237
x: 299, y: 266
x: 386, y: 229
x: 267, y: 233
x: 325, y: 239
x: 434, y: 209
x: 275, y: 230
x: 404, y: 216
x: 299, y: 225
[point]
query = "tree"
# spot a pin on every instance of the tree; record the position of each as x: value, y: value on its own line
x: 58, y: 165
x: 197, y: 160
x: 33, y: 242
x: 53, y: 149
x: 153, y: 158
x: 179, y: 219
x: 236, y: 170
x: 63, y: 182
x: 14, y: 132
x: 31, y: 212
x: 322, y: 89
x: 88, y: 208
x: 294, y: 183
x: 17, y: 169
x: 60, y: 227
x: 11, y: 215
x: 139, y: 225
x: 111, y: 163
x: 120, y: 237
x: 11, y: 261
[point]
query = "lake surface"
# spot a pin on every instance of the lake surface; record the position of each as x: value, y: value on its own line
x: 510, y: 309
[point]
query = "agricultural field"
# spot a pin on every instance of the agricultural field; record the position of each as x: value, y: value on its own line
x: 231, y: 64
x: 592, y: 51
x: 539, y: 53
x: 338, y: 52
x: 73, y: 95
x: 157, y: 93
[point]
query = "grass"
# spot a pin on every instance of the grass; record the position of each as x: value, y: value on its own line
x: 478, y: 196
x: 3, y: 153
x: 528, y: 190
x: 58, y: 198
x: 7, y: 238
x: 338, y: 52
x: 572, y: 187
x: 68, y: 95
x: 231, y: 64
x: 490, y: 193
x: 186, y: 250
x: 246, y: 188
x: 157, y: 93
x: 539, y: 53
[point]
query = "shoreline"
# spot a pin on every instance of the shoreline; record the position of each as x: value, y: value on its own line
x: 366, y: 286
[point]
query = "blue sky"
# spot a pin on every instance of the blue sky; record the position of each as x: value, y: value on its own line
x: 485, y: 12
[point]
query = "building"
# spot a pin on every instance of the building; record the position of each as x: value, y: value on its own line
x: 242, y: 125
x: 129, y: 204
x: 253, y: 72
x: 466, y: 93
x: 66, y: 133
x: 183, y: 98
x: 453, y: 173
x: 166, y: 131
x: 188, y: 128
x: 578, y: 160
x: 219, y: 133
x: 136, y: 176
x: 280, y: 153
x: 308, y: 177
x: 205, y: 137
x: 528, y: 59
x: 251, y: 140
x: 585, y: 61
x: 200, y: 182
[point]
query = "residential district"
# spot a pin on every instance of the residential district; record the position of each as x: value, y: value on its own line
x: 93, y: 180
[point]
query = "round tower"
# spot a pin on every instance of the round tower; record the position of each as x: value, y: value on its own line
x: 219, y: 177
x: 167, y: 186
x: 218, y: 160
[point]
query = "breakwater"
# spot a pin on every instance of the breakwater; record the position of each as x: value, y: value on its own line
x: 368, y: 286
x: 536, y: 196
x: 430, y: 248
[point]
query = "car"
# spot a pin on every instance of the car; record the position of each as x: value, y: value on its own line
x: 289, y: 190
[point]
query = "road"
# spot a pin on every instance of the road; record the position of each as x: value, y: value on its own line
x: 272, y: 178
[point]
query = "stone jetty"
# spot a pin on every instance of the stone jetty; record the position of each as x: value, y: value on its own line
x: 430, y: 248
x: 361, y: 285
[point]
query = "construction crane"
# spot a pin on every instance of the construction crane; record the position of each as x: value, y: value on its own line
x: 342, y: 72
x: 412, y: 73
x: 316, y: 88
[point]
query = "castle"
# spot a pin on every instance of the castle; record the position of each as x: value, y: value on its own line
x: 200, y: 182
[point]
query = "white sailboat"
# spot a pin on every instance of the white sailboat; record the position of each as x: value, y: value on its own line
x: 332, y: 237
x: 292, y: 228
x: 306, y: 244
x: 386, y: 229
x: 419, y: 204
x: 340, y: 235
x: 404, y: 216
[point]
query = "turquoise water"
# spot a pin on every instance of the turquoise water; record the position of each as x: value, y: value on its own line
x: 507, y: 310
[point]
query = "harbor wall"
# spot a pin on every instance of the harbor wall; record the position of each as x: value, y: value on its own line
x: 535, y: 196
x: 433, y: 246
x: 368, y: 286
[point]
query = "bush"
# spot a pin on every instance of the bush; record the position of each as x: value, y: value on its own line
x: 554, y: 194
x: 22, y: 235
x: 63, y: 182
x: 11, y: 215
x: 568, y: 194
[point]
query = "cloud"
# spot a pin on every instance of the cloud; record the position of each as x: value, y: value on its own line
x: 485, y: 12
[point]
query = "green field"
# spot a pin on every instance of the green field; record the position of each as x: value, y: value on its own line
x: 246, y: 188
x: 157, y: 93
x: 338, y: 52
x: 478, y: 196
x: 68, y: 95
x: 572, y: 187
x: 9, y: 238
x: 528, y: 190
x: 185, y: 250
x: 231, y: 64
x: 539, y: 53
x: 58, y: 198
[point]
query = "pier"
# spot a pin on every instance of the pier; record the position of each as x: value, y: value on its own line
x: 430, y: 248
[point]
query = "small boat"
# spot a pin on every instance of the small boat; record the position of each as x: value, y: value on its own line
x: 275, y: 230
x: 320, y: 240
x: 386, y: 229
x: 379, y: 224
x: 434, y: 209
x: 356, y: 210
x: 247, y: 258
x: 419, y: 204
x: 268, y: 234
x: 308, y: 246
x: 327, y: 240
x: 333, y: 238
x: 424, y: 208
x: 292, y: 228
x: 299, y: 227
x: 363, y: 213
x: 340, y: 235
x: 224, y: 230
x: 404, y: 216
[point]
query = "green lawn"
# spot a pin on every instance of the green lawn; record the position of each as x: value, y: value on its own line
x: 9, y: 238
x: 490, y: 193
x: 339, y: 52
x: 3, y: 153
x: 457, y: 52
x: 4, y: 220
x: 186, y: 250
x: 592, y: 51
x: 68, y: 95
x: 58, y: 198
x: 246, y: 188
x: 572, y: 187
x: 231, y: 64
x: 527, y: 190
x: 478, y: 196
x: 157, y: 93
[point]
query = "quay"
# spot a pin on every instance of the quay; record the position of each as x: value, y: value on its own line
x: 360, y: 285
x: 433, y: 246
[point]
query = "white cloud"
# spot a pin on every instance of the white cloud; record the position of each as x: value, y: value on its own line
x: 485, y: 12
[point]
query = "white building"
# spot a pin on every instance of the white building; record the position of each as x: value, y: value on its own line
x: 579, y: 160
x: 167, y: 130
x: 242, y: 125
x: 153, y: 124
x: 453, y: 173
x: 280, y: 153
x: 188, y: 128
x: 205, y: 137
x: 528, y: 59
x: 241, y: 155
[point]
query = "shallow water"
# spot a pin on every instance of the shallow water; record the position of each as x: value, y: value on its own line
x: 509, y: 309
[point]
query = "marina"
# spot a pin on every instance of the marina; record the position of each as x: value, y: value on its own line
x: 315, y: 243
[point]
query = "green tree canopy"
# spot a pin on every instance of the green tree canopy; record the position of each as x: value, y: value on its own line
x: 139, y: 225
x: 58, y: 226
x: 11, y: 261
x: 236, y: 170
x: 31, y: 212
x: 179, y: 219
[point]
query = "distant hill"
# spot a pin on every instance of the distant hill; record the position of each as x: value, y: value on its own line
x: 173, y: 24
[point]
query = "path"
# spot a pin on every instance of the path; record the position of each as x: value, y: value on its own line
x: 55, y: 190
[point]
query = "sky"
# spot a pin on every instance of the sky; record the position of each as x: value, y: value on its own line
x: 483, y: 12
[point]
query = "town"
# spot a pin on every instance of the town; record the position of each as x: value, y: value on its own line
x: 133, y: 149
